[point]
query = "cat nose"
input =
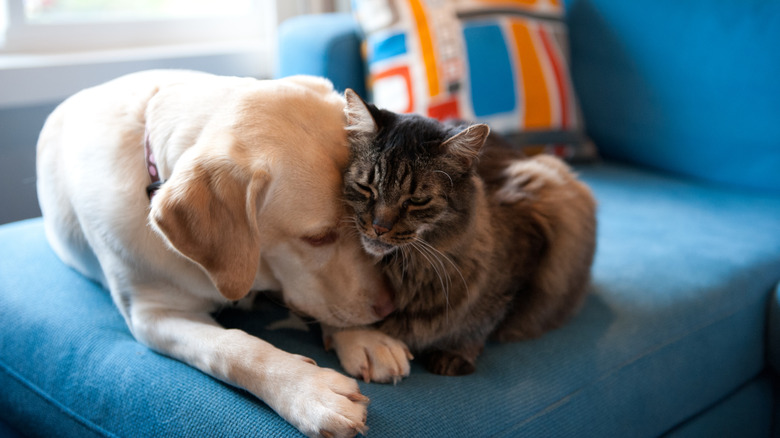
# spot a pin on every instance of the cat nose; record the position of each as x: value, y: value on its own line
x: 384, y: 219
x: 380, y: 228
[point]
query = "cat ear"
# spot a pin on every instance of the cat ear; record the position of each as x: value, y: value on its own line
x: 466, y: 144
x: 360, y: 122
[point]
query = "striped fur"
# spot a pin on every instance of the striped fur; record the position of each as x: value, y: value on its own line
x: 497, y: 246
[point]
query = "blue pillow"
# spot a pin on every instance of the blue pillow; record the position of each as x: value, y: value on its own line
x: 688, y: 87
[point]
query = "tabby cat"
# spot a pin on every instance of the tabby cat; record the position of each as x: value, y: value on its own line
x: 477, y: 241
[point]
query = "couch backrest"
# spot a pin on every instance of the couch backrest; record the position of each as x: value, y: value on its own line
x: 691, y: 87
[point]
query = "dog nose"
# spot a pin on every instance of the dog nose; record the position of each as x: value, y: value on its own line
x: 384, y: 305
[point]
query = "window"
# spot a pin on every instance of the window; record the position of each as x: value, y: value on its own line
x: 63, y: 11
x: 70, y: 25
x: 50, y: 49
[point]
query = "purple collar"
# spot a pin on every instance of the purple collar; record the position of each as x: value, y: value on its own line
x: 151, y: 167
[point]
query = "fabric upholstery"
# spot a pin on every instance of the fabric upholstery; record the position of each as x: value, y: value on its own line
x: 687, y: 87
x: 666, y: 332
x: 327, y: 46
x: 673, y: 339
x: 773, y: 331
x: 741, y: 414
x: 7, y: 432
x: 502, y: 63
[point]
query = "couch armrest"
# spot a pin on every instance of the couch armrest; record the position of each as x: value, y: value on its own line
x: 773, y: 332
x: 323, y: 45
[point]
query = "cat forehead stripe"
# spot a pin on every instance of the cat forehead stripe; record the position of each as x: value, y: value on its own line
x: 404, y: 176
x: 394, y: 177
x: 376, y: 172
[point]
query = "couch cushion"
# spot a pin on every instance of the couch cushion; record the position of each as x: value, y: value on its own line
x: 742, y: 414
x: 502, y: 63
x: 773, y: 333
x: 674, y: 324
x: 325, y: 45
x: 689, y: 87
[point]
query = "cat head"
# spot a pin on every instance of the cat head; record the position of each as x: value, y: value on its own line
x: 410, y: 180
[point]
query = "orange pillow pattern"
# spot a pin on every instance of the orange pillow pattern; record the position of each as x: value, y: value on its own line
x: 502, y: 62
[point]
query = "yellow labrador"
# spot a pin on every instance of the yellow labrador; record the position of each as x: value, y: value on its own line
x: 250, y: 201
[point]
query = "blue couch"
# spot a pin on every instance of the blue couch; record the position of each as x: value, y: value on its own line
x: 680, y: 335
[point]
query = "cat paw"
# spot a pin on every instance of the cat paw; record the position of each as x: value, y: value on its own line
x: 371, y: 355
x: 448, y: 363
x: 515, y: 334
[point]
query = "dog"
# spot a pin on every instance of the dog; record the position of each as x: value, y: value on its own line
x: 181, y: 192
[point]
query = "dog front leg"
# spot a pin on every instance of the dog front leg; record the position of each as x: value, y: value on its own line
x: 318, y: 401
x: 369, y: 354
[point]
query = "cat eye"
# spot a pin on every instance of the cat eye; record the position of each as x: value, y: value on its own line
x: 321, y: 239
x: 365, y: 190
x: 417, y: 201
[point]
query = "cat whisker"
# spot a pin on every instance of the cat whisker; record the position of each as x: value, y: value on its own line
x: 402, y: 250
x: 405, y: 267
x: 448, y: 259
x: 352, y: 228
x: 427, y: 257
x: 452, y: 184
x: 436, y: 268
x: 430, y: 257
x: 350, y: 219
x: 395, y: 260
x: 436, y: 254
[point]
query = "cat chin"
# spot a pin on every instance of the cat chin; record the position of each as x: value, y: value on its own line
x: 376, y: 247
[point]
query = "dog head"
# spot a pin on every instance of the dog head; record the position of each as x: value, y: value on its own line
x: 256, y: 200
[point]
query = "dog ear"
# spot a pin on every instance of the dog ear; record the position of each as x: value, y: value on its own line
x: 208, y: 213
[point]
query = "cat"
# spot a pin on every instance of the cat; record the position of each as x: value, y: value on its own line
x: 477, y: 241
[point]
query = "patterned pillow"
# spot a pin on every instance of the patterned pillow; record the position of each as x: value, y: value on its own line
x: 502, y: 62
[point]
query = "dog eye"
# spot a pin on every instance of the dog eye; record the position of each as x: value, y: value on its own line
x: 322, y: 239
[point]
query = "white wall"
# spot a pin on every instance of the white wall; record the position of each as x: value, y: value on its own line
x: 30, y: 88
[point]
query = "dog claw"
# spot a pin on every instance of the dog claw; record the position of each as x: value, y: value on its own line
x: 361, y: 429
x: 358, y: 398
x: 367, y: 370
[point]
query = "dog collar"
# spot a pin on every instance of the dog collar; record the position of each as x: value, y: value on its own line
x: 151, y: 168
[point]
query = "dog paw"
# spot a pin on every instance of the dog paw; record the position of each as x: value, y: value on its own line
x: 321, y: 402
x: 371, y: 355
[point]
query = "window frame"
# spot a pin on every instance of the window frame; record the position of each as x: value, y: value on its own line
x: 23, y: 36
x: 41, y: 70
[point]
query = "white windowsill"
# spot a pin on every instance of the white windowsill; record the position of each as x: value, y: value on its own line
x: 28, y: 79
